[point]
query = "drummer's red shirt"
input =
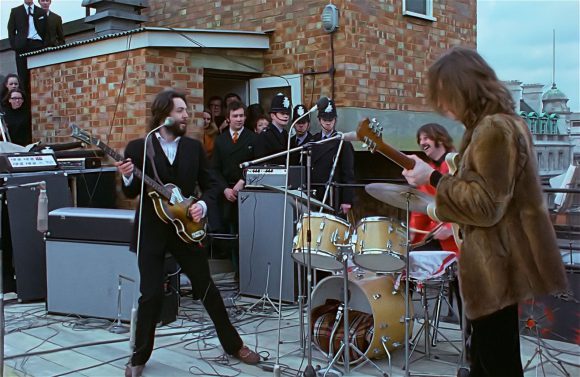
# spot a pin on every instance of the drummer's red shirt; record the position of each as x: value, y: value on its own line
x: 423, y: 222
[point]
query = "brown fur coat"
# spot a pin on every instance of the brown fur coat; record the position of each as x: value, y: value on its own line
x: 509, y: 252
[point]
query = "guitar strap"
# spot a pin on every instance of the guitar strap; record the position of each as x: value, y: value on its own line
x: 151, y: 157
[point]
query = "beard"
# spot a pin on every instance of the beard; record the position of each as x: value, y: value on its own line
x: 176, y: 129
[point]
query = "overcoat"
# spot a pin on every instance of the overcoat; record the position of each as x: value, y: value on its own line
x: 509, y: 251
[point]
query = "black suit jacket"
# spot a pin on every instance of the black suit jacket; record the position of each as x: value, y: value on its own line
x: 296, y: 157
x: 228, y: 156
x: 54, y: 33
x: 189, y: 169
x: 322, y: 160
x: 226, y: 160
x: 272, y: 141
x: 18, y: 26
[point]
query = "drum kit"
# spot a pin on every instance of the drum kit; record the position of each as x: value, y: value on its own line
x: 362, y: 303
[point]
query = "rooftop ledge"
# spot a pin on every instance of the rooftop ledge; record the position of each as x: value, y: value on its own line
x: 148, y: 37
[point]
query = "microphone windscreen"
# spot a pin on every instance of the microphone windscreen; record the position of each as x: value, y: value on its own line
x: 42, y: 214
x: 322, y: 103
x: 349, y: 136
x: 169, y: 121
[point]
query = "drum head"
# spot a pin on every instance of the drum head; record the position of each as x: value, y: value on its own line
x: 318, y: 260
x: 380, y: 261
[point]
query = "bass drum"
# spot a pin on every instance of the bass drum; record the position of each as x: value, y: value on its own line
x: 376, y: 314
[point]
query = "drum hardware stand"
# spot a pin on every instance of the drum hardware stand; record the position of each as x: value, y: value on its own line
x: 344, y: 252
x: 407, y: 294
x: 118, y: 327
x: 531, y: 325
x: 425, y: 330
x: 265, y: 299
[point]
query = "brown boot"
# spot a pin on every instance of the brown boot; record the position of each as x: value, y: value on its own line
x: 134, y: 371
x: 247, y: 356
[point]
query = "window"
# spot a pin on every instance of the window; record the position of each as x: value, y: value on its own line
x: 419, y: 8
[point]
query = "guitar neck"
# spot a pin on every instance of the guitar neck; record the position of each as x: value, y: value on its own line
x: 162, y: 190
x: 396, y: 156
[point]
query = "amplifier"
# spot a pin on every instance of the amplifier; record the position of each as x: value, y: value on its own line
x: 259, y: 176
x: 91, y: 224
x: 27, y: 161
x: 79, y: 163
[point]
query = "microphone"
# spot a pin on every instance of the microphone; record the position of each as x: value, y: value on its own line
x: 42, y: 214
x: 349, y: 136
x: 169, y: 121
x: 320, y: 104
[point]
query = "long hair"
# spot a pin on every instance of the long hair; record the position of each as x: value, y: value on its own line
x: 461, y: 81
x: 4, y: 90
x: 437, y: 133
x: 162, y: 106
x: 212, y: 128
x: 6, y: 100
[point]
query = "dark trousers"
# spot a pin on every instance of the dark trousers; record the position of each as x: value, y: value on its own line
x: 193, y: 262
x: 495, y: 345
x: 22, y: 66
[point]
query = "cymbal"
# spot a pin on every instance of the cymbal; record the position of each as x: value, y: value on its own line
x: 302, y: 196
x: 396, y: 195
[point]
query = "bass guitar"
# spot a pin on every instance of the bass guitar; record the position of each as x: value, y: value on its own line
x: 169, y: 203
x: 371, y: 134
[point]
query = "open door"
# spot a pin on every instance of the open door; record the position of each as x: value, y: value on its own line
x: 263, y: 89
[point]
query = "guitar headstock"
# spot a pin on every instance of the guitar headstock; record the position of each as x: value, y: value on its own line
x: 370, y: 132
x: 81, y: 135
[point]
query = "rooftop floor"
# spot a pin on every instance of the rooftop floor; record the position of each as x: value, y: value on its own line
x: 42, y: 344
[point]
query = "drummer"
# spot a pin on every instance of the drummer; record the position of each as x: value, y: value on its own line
x: 436, y: 142
x: 323, y: 156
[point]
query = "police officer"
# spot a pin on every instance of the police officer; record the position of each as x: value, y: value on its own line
x: 274, y: 138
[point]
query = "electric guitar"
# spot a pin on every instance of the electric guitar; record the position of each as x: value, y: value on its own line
x: 169, y: 203
x: 371, y: 134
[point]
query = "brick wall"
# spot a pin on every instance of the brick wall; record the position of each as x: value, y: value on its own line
x: 91, y: 93
x: 381, y: 57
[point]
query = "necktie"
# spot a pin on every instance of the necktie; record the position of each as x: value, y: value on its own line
x: 235, y: 137
x: 30, y: 11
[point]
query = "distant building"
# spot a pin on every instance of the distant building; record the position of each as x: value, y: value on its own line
x: 550, y: 122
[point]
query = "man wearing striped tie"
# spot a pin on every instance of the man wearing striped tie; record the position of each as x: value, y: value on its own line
x: 232, y: 147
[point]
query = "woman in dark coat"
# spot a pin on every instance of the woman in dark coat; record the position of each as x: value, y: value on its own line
x: 17, y: 117
x: 10, y: 82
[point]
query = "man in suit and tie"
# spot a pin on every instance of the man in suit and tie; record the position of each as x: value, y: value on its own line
x: 323, y: 156
x: 302, y: 135
x: 231, y: 148
x: 274, y: 138
x: 179, y: 160
x: 54, y: 33
x: 26, y: 32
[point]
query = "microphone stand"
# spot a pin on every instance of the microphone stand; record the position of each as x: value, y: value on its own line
x: 309, y: 370
x: 331, y: 176
x: 141, y: 192
x: 276, y: 370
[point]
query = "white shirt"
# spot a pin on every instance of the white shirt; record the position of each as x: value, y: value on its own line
x: 170, y: 150
x: 239, y: 133
x: 32, y: 33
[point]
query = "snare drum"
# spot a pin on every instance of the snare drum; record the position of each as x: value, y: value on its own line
x: 369, y: 294
x: 328, y: 232
x: 380, y: 244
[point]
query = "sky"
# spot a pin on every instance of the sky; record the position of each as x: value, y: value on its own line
x: 514, y: 36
